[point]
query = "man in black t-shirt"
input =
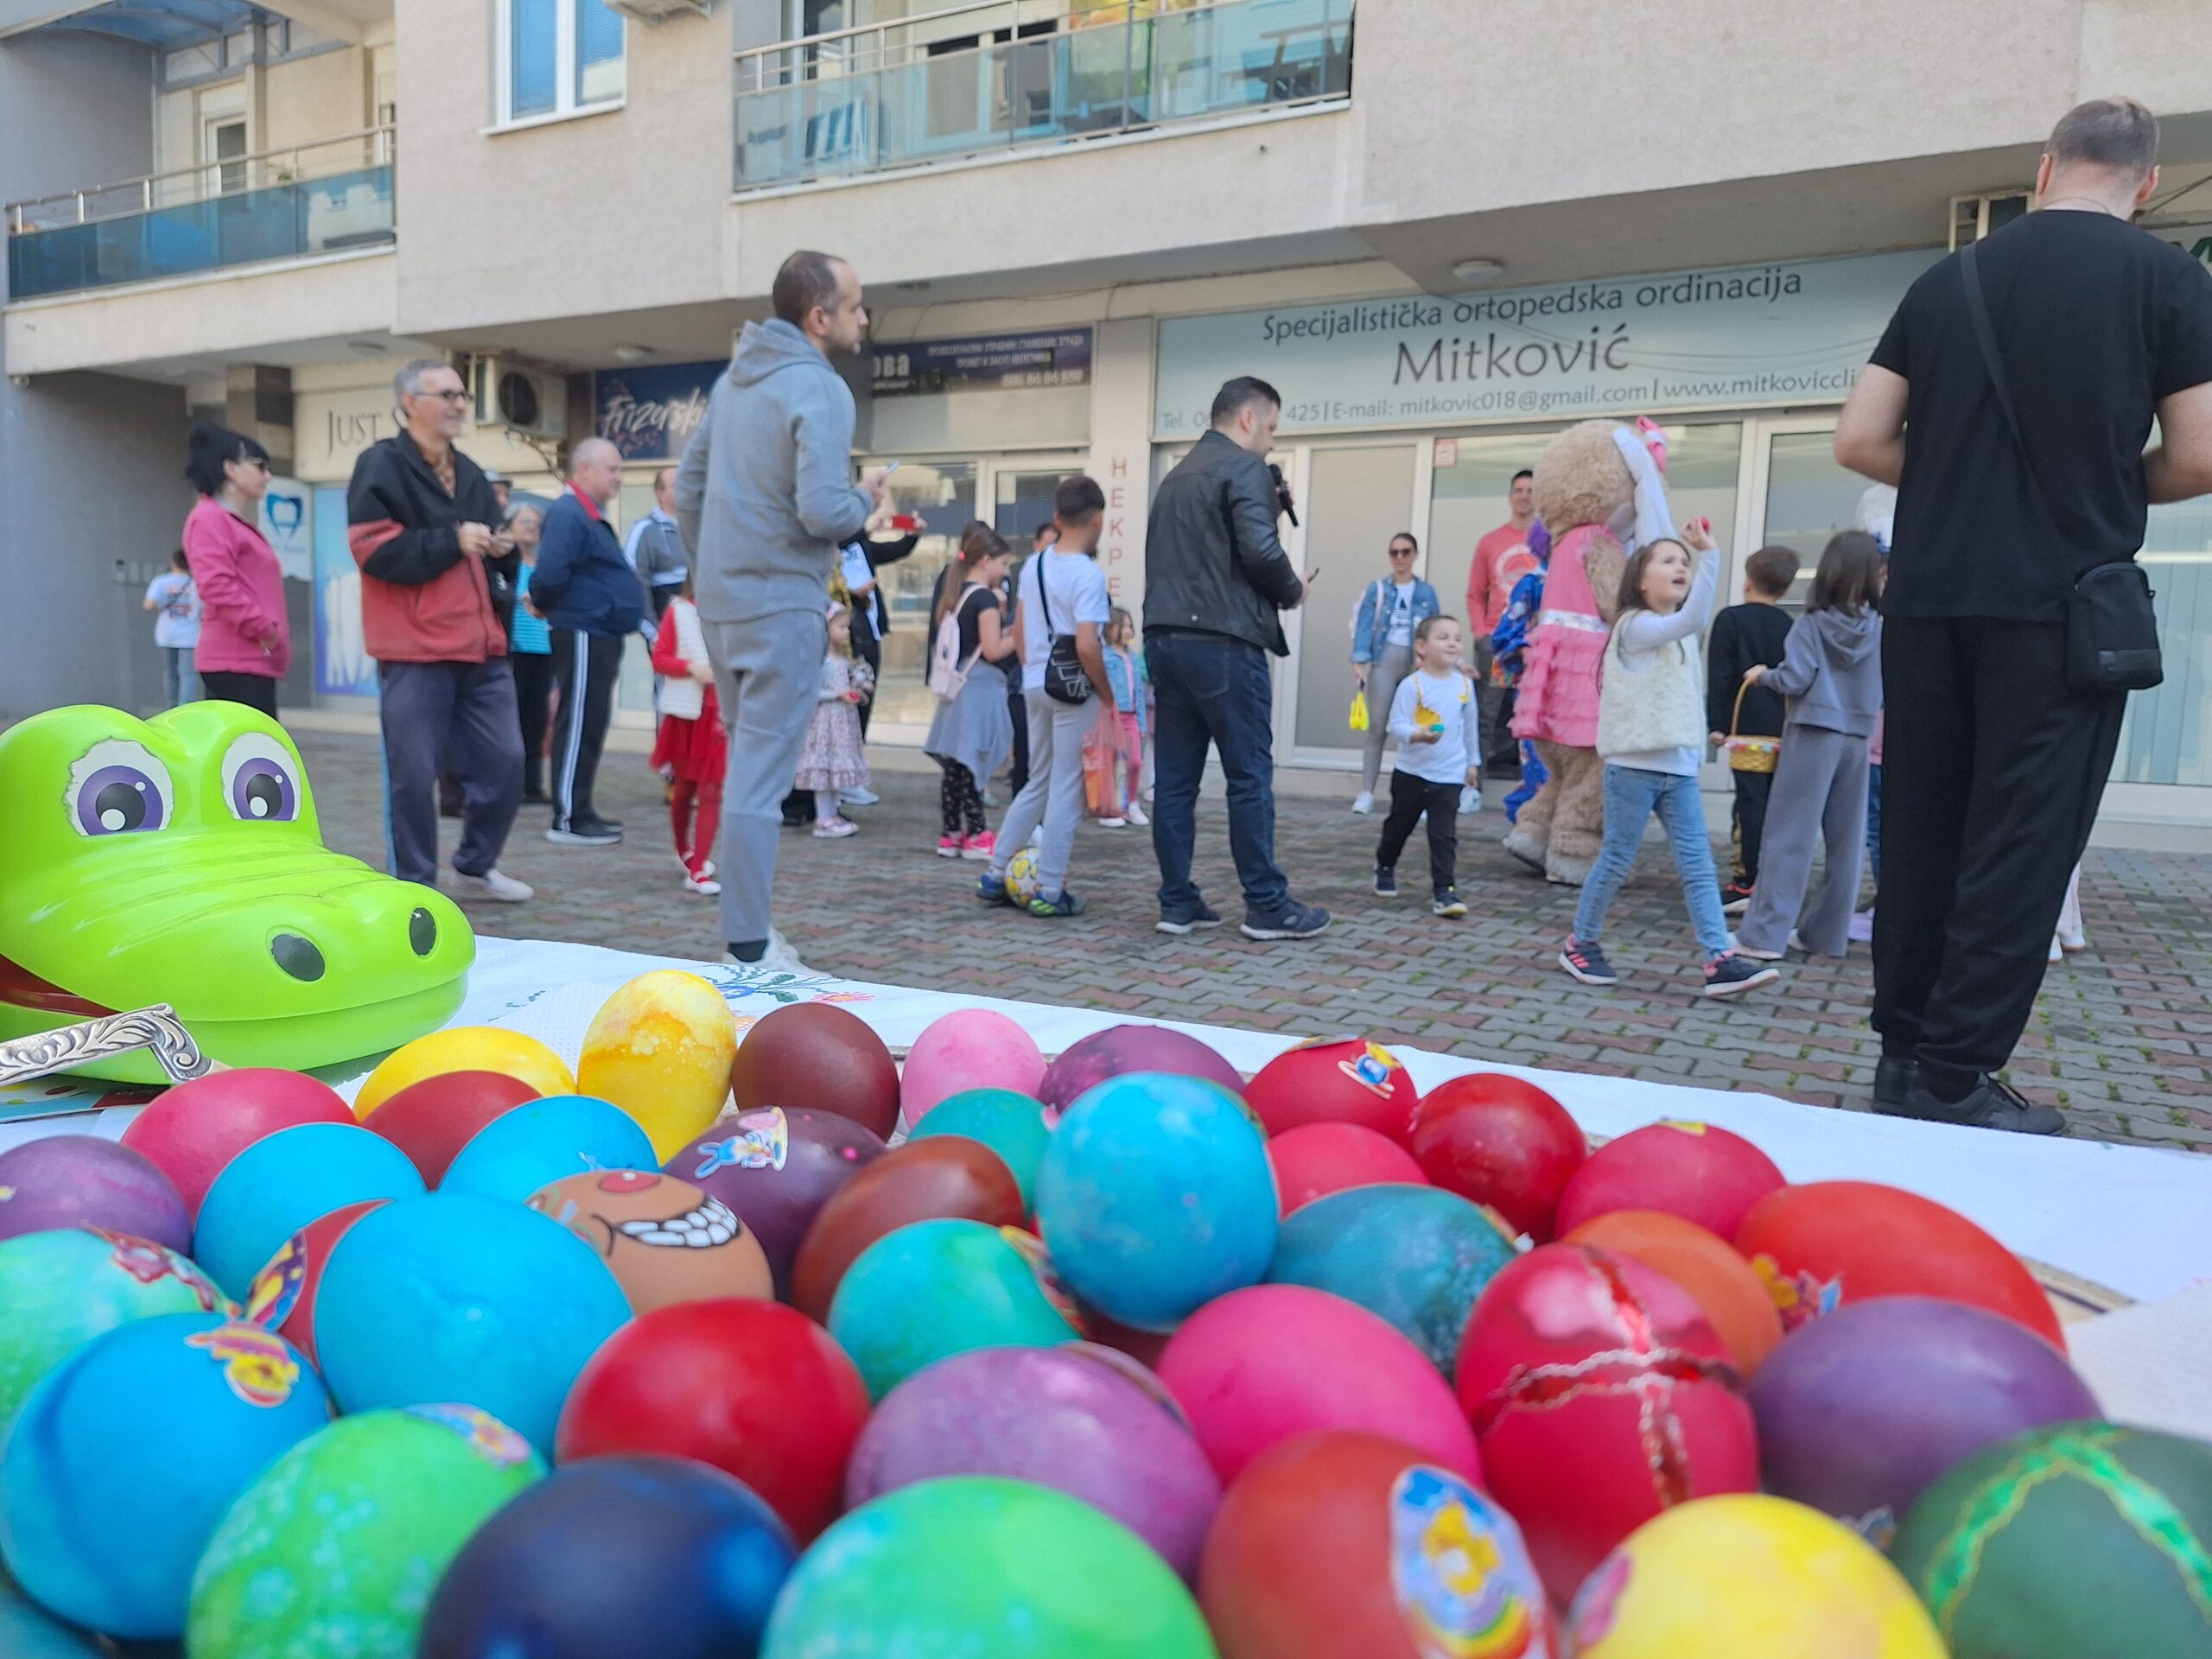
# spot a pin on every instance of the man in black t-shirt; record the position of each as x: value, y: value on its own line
x: 1992, y: 767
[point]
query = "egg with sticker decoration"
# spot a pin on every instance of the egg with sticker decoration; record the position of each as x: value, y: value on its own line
x: 665, y: 1239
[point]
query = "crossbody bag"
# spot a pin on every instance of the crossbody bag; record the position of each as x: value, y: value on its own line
x: 2112, y: 630
x: 1065, y: 679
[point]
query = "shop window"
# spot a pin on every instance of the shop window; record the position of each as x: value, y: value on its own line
x: 558, y: 56
x: 942, y: 495
x: 1808, y: 499
x: 2167, y: 737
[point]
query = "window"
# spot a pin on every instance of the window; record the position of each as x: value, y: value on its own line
x: 557, y: 55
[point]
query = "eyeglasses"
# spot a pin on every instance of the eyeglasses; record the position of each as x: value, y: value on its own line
x: 1402, y: 552
x: 456, y: 396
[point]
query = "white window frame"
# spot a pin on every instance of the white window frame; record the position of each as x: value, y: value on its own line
x: 564, y: 67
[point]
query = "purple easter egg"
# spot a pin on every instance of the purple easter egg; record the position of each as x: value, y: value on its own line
x: 88, y: 1181
x: 1859, y: 1409
x: 1118, y: 1049
x: 776, y: 1167
x: 1080, y: 1419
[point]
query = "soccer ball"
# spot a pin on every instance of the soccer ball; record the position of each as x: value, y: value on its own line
x: 1021, y: 876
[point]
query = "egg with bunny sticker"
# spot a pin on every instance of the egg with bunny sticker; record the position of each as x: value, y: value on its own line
x: 665, y: 1239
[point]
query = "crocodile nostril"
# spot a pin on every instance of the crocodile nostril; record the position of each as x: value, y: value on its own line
x: 423, y: 932
x: 296, y: 957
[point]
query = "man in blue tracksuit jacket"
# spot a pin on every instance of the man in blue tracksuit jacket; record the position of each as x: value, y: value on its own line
x: 590, y: 596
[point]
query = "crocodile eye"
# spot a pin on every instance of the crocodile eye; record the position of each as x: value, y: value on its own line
x: 118, y: 787
x: 259, y: 780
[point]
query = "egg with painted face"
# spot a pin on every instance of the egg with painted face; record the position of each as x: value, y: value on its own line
x: 665, y: 1239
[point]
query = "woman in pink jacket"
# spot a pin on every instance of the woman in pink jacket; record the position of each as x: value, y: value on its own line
x: 245, y: 644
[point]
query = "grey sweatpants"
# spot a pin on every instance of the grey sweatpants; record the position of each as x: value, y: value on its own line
x: 1392, y: 665
x: 1819, y: 791
x: 1053, y: 794
x: 768, y: 674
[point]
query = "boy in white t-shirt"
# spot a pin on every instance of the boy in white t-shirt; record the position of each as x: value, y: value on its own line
x: 1436, y: 719
x: 1061, y: 593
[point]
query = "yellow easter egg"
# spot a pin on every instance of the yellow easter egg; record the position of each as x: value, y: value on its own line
x: 466, y: 1048
x: 660, y: 1048
x: 1749, y: 1577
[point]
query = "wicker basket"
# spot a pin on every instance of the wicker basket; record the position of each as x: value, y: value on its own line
x: 1748, y: 754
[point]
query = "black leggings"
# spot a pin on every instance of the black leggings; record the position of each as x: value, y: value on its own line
x: 255, y: 690
x: 962, y: 805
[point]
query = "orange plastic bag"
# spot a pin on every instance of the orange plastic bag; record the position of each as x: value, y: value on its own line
x: 1100, y: 745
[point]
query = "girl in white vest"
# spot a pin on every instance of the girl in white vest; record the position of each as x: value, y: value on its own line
x: 1652, y: 733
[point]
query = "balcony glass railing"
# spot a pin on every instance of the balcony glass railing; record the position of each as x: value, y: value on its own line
x: 320, y: 199
x: 1009, y: 74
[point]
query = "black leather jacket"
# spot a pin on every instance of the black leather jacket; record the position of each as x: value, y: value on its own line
x: 1211, y: 562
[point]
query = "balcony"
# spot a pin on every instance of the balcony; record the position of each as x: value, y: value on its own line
x: 1004, y: 76
x: 323, y: 197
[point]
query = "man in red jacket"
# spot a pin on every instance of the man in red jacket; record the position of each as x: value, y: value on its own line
x: 437, y: 589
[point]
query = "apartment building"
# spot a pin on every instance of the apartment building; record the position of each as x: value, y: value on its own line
x: 1442, y: 227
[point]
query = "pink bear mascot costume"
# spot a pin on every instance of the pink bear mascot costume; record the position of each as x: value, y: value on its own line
x: 1600, y: 492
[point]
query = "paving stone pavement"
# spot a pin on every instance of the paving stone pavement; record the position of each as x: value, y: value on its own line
x: 2121, y: 1038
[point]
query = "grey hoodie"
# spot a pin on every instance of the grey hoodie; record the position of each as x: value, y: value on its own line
x: 1831, y: 671
x: 764, y: 494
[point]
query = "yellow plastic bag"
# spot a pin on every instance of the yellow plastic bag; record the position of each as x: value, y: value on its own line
x: 1359, y: 711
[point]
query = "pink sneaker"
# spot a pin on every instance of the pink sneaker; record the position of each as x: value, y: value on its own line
x: 950, y: 846
x: 835, y: 828
x: 980, y: 847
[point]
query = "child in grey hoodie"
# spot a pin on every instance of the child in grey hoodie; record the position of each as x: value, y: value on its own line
x: 1831, y: 675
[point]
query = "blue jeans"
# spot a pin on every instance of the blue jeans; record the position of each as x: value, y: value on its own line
x: 1632, y: 795
x: 1874, y: 821
x: 1211, y: 689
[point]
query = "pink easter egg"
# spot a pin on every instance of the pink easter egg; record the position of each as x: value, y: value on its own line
x: 973, y: 1048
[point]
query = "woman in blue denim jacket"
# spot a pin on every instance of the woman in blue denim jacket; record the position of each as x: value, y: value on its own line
x: 1382, y: 627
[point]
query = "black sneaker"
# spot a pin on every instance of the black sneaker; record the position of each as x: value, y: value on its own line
x: 1735, y: 898
x: 1587, y: 963
x: 1190, y: 921
x: 582, y: 833
x: 1895, y: 1078
x: 1291, y: 920
x: 1070, y: 903
x: 1386, y: 882
x: 1448, y: 906
x: 1991, y: 1105
x: 991, y: 889
x: 1729, y: 974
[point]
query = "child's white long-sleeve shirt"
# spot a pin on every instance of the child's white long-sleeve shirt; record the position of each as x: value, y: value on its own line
x: 1426, y: 700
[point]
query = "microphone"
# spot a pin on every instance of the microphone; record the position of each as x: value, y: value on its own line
x: 1283, y: 503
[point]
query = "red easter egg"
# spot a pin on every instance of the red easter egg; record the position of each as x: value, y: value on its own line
x: 193, y: 1129
x: 433, y: 1119
x: 1344, y: 1543
x: 1601, y: 1396
x: 1827, y: 1243
x: 1697, y: 1172
x: 752, y: 1388
x: 1733, y: 1297
x: 1347, y: 1081
x: 282, y: 1296
x: 819, y: 1056
x: 944, y: 1176
x: 1500, y: 1141
x: 1315, y: 1160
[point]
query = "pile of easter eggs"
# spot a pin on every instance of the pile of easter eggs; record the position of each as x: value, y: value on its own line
x: 717, y: 1347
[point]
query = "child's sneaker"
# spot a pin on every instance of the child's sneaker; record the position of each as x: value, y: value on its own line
x: 835, y: 828
x: 1386, y: 882
x: 1068, y: 904
x: 701, y: 884
x: 1136, y: 816
x: 1730, y: 973
x: 1587, y: 963
x: 980, y: 847
x: 1862, y: 926
x: 1448, y: 906
x: 1735, y: 898
x: 951, y: 846
x: 991, y: 889
x: 1113, y: 823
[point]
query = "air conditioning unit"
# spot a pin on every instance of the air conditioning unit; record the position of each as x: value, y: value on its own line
x: 1975, y: 217
x: 651, y: 11
x: 528, y: 401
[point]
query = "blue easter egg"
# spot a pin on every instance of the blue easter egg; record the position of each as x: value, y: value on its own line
x: 1155, y: 1196
x: 536, y: 1143
x: 281, y: 1183
x: 125, y: 1457
x: 473, y: 1300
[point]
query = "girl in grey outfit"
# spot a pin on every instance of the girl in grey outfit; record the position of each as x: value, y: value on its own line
x: 1830, y: 675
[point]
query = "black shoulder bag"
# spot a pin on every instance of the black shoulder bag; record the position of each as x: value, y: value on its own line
x: 1065, y: 679
x: 2112, y: 632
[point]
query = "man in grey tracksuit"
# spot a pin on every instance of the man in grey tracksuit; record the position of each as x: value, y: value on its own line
x: 764, y: 498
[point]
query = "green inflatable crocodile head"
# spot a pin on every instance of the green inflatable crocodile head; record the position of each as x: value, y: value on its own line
x: 180, y: 861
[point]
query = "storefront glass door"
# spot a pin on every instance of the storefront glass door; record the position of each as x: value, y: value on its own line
x: 2167, y: 738
x: 941, y: 495
x: 1805, y: 497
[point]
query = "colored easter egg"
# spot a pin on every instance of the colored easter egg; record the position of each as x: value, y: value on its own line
x: 466, y: 1048
x: 967, y: 1049
x: 1010, y: 1124
x: 665, y: 1241
x: 1733, y: 1297
x: 1316, y: 1159
x: 1345, y: 1081
x: 88, y: 1181
x: 1502, y: 1142
x: 660, y: 1048
x: 776, y: 1169
x: 754, y: 1389
x: 818, y: 1056
x: 1091, y: 1060
x: 282, y: 1294
x: 285, y: 1181
x: 945, y: 1177
x: 535, y: 1144
x: 433, y: 1119
x: 194, y: 1127
x: 1696, y: 1171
